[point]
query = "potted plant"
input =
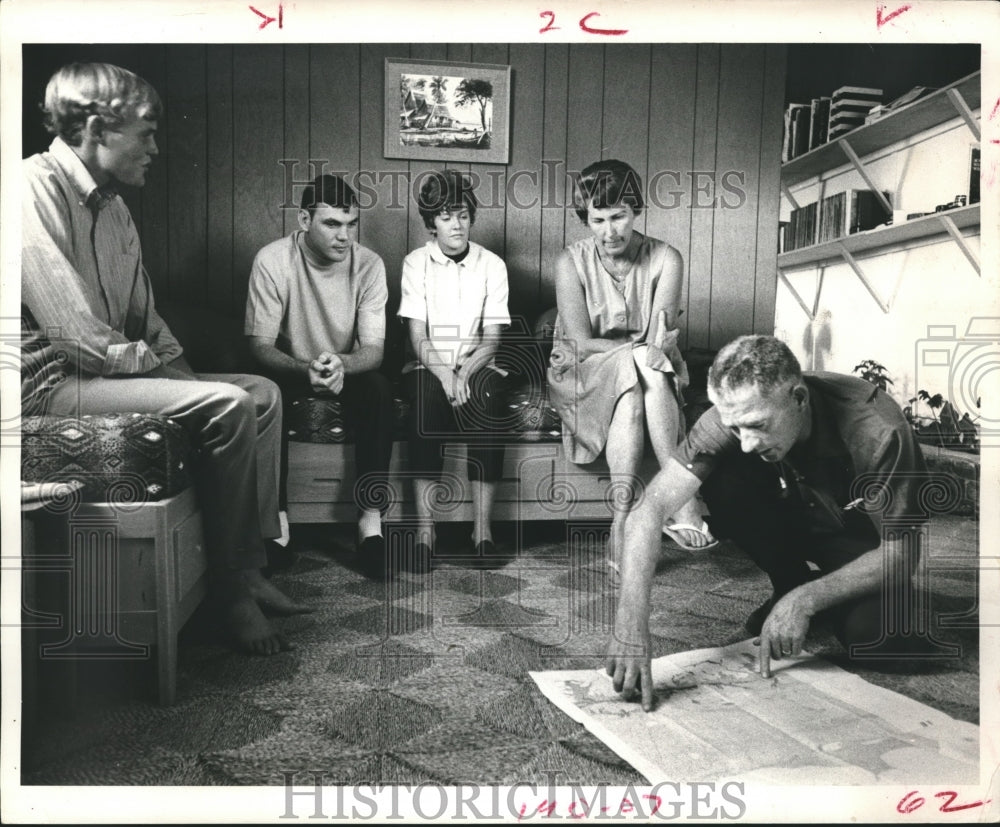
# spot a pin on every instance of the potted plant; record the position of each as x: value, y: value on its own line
x: 946, y: 429
x: 872, y: 371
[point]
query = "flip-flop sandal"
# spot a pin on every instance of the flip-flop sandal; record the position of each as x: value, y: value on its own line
x: 673, y: 532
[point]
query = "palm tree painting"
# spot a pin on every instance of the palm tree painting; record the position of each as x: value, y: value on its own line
x: 473, y: 92
x: 445, y: 111
x: 438, y: 85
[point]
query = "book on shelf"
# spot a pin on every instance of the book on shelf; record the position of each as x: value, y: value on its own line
x: 975, y: 168
x: 849, y: 106
x: 851, y: 211
x: 843, y: 127
x: 915, y: 94
x: 796, y: 140
x: 801, y: 229
x: 858, y: 93
x: 819, y: 121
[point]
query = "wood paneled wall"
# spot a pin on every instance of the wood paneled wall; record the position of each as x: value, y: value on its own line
x: 702, y: 121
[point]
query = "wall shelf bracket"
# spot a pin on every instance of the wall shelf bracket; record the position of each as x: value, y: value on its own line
x: 963, y: 109
x: 788, y: 194
x: 963, y: 245
x: 795, y: 295
x: 846, y: 255
x: 863, y: 172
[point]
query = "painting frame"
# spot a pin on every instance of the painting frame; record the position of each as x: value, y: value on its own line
x: 409, y: 132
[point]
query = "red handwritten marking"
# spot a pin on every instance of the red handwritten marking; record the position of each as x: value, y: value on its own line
x: 545, y: 808
x: 551, y: 24
x: 914, y: 801
x: 881, y: 20
x: 268, y: 19
x: 996, y: 108
x: 548, y: 808
x: 590, y: 30
x: 951, y: 796
x: 905, y: 806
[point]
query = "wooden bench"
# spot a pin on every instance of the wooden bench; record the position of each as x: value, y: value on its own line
x: 538, y: 483
x: 120, y: 578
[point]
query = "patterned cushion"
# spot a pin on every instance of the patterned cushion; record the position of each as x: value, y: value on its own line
x: 124, y: 457
x: 535, y: 418
x: 320, y: 420
x: 532, y: 418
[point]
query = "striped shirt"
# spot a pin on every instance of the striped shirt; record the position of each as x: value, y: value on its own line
x: 86, y: 300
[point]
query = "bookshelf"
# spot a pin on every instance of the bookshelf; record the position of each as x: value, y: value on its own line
x: 922, y: 114
x: 954, y: 101
x: 871, y: 240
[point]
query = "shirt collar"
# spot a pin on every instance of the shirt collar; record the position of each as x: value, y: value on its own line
x: 83, y: 182
x: 441, y: 258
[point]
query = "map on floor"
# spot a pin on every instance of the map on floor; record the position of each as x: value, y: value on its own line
x: 809, y: 723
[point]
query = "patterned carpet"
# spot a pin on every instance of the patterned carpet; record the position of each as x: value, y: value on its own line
x: 425, y: 679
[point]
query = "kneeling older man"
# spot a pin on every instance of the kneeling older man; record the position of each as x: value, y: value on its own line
x: 816, y: 478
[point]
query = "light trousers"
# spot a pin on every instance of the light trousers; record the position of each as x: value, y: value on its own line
x: 234, y: 420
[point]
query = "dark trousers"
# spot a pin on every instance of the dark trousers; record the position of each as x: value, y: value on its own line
x: 368, y: 410
x: 748, y: 507
x: 434, y: 421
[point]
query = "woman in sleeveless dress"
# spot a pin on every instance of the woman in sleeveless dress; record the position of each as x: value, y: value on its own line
x: 616, y: 372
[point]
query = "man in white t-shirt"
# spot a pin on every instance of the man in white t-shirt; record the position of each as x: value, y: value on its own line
x: 316, y: 323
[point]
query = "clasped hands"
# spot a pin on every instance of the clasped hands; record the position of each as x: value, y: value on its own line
x: 629, y: 663
x: 326, y: 373
x: 662, y: 348
x: 456, y: 387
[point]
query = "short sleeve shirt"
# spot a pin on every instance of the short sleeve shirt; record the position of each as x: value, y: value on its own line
x: 454, y: 299
x: 306, y: 309
x: 861, y: 457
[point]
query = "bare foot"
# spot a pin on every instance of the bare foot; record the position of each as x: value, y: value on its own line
x: 689, y: 513
x: 688, y: 529
x: 251, y: 630
x: 269, y: 597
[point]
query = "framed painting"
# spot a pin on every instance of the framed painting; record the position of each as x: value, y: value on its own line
x: 447, y: 111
